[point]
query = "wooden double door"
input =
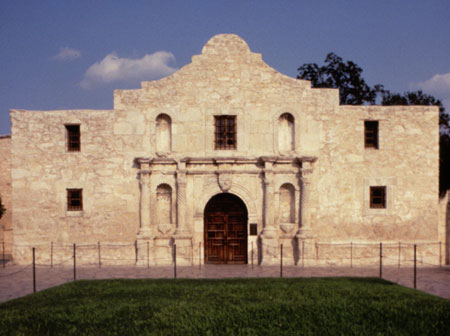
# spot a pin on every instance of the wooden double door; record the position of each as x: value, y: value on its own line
x: 225, y: 230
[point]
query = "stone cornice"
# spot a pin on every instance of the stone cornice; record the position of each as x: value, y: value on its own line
x: 227, y: 162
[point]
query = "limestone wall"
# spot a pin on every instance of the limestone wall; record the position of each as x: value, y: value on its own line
x: 227, y: 79
x: 42, y: 170
x: 173, y: 118
x: 6, y: 235
x: 406, y: 163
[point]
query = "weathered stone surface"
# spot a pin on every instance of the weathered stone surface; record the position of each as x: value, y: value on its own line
x: 300, y: 159
x: 6, y: 233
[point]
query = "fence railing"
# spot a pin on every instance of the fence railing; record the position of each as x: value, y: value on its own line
x: 350, y: 254
x: 302, y: 253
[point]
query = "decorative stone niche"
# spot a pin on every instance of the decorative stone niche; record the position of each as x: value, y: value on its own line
x: 164, y: 208
x: 163, y: 135
x: 286, y: 207
x: 286, y: 133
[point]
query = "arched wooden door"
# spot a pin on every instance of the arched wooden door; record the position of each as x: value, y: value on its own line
x: 225, y: 229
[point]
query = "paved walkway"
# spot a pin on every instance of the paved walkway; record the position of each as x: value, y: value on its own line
x: 17, y: 281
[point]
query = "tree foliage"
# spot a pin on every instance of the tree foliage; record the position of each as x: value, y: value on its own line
x: 444, y: 163
x: 339, y: 74
x: 353, y: 90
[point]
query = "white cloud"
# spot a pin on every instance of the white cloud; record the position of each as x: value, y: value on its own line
x: 67, y: 54
x: 113, y: 68
x: 438, y: 85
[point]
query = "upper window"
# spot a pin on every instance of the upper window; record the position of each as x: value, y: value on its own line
x: 225, y: 132
x: 378, y: 197
x: 73, y: 138
x: 74, y: 199
x: 371, y: 134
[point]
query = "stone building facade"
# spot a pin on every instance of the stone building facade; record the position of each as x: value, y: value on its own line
x: 226, y: 158
x: 5, y: 194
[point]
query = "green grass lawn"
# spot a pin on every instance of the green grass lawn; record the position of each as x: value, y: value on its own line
x: 346, y: 306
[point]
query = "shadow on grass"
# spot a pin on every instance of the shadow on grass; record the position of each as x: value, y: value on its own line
x: 227, y: 306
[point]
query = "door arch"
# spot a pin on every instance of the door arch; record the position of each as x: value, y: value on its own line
x: 225, y: 230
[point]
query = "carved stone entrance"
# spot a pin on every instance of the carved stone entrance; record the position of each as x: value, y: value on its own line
x: 225, y: 220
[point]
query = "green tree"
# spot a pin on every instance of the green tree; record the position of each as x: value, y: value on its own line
x: 353, y: 90
x: 336, y: 73
x: 2, y: 208
x: 444, y: 163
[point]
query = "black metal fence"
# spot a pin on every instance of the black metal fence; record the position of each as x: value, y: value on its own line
x: 324, y: 258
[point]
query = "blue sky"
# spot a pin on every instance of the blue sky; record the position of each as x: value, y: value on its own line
x: 72, y: 54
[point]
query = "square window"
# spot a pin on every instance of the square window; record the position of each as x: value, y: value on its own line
x: 74, y: 199
x: 225, y: 132
x: 371, y: 134
x: 73, y: 138
x: 378, y: 197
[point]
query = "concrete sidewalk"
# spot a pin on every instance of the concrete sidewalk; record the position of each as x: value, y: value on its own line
x: 17, y: 281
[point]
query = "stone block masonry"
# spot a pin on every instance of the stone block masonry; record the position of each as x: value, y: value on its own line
x: 297, y: 167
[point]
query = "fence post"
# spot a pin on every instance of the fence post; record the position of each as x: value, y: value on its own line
x: 3, y: 254
x: 281, y: 262
x: 99, y: 256
x: 351, y: 254
x: 399, y: 248
x: 175, y: 261
x: 415, y: 270
x: 34, y: 273
x: 74, y: 261
x: 51, y: 255
x: 303, y: 254
x: 200, y: 255
x: 148, y: 254
x: 381, y: 260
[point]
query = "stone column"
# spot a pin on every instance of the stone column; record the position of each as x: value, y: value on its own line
x: 182, y: 237
x: 305, y: 207
x: 181, y: 204
x: 269, y: 223
x: 145, y: 236
x: 269, y: 241
x: 304, y: 236
x: 297, y: 206
x: 144, y: 180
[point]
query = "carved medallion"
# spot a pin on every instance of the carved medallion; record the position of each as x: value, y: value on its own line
x: 225, y: 181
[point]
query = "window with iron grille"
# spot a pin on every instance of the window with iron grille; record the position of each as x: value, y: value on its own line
x: 74, y: 199
x: 378, y: 197
x: 371, y: 134
x: 73, y: 138
x: 225, y: 133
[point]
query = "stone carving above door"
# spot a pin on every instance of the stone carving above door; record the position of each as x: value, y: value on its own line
x: 225, y: 180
